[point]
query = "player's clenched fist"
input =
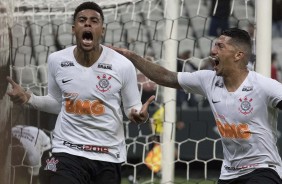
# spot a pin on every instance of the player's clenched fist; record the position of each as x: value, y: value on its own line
x: 142, y: 116
x: 18, y: 95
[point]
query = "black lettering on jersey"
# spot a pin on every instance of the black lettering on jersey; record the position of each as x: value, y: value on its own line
x: 243, y: 167
x: 105, y: 66
x: 247, y: 88
x: 66, y: 64
x: 219, y: 84
x: 118, y: 155
x: 90, y: 148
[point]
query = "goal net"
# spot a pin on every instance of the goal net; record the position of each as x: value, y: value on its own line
x: 35, y: 28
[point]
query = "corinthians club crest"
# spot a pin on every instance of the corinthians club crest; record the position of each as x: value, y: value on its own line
x: 246, y: 106
x: 103, y: 83
x: 51, y: 164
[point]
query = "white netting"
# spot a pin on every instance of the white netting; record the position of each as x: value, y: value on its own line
x: 4, y: 100
x: 40, y: 27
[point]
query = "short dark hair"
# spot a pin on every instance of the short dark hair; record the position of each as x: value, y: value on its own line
x: 88, y: 5
x: 240, y: 37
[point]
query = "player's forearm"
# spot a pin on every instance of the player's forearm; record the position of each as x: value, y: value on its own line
x: 45, y: 103
x: 155, y: 72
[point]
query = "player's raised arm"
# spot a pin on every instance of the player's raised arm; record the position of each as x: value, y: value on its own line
x: 45, y: 103
x: 155, y: 72
x: 18, y: 95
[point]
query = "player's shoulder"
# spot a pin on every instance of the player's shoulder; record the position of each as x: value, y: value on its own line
x: 199, y: 74
x: 67, y: 52
x: 115, y: 58
x: 62, y: 57
x: 262, y: 81
x: 205, y: 74
x: 258, y: 78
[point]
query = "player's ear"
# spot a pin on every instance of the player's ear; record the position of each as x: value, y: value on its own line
x: 239, y: 55
x: 72, y: 29
x: 103, y: 31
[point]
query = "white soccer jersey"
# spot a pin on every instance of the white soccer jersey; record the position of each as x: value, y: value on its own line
x: 246, y: 119
x: 35, y: 142
x: 90, y: 123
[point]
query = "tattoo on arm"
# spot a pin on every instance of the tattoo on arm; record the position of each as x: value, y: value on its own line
x: 155, y: 72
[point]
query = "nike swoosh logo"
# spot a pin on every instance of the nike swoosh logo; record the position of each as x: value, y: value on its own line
x: 215, y: 101
x: 65, y: 81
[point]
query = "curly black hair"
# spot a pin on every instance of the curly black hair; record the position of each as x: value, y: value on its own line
x: 88, y: 5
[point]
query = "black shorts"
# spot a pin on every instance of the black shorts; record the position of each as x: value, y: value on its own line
x: 63, y: 168
x: 258, y: 176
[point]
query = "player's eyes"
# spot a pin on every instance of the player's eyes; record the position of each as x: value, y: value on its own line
x: 81, y: 19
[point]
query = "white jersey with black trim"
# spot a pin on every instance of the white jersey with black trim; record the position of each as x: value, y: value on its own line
x: 246, y: 119
x: 90, y: 123
x: 35, y: 142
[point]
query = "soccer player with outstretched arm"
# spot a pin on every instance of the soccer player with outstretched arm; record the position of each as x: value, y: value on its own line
x: 87, y: 84
x: 244, y: 103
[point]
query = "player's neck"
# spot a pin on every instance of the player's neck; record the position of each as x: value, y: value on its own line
x: 85, y: 58
x: 234, y: 80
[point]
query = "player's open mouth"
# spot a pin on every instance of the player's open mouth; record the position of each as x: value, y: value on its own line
x: 87, y: 37
x: 214, y: 60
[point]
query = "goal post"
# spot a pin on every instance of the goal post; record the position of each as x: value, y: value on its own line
x: 169, y: 94
x: 263, y: 37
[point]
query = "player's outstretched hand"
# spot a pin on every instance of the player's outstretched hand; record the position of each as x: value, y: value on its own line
x: 18, y: 95
x: 142, y: 116
x: 122, y: 51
